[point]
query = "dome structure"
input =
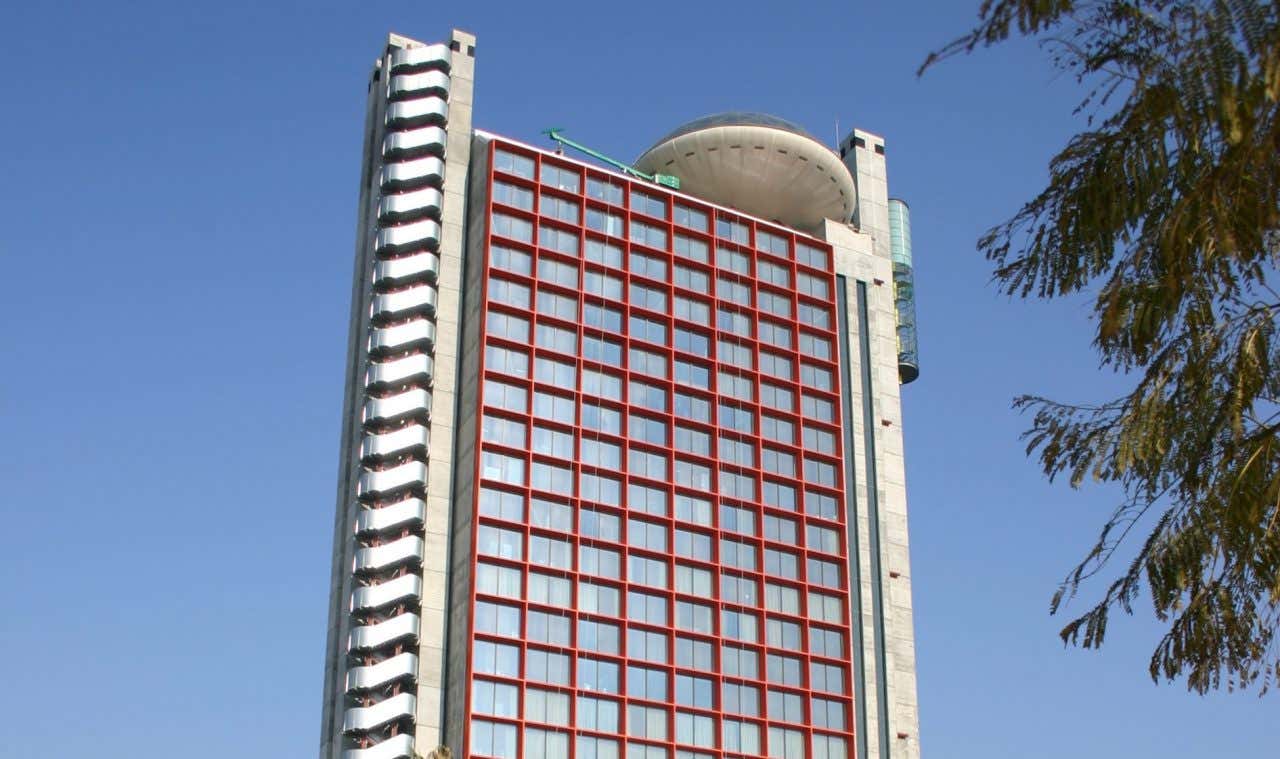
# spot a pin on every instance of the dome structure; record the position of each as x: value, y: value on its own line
x: 759, y: 164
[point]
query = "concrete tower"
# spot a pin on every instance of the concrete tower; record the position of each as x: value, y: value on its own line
x: 621, y: 469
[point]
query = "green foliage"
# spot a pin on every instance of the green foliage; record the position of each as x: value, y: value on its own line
x: 1168, y: 207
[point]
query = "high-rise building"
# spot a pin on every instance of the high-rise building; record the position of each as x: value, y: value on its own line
x: 622, y: 465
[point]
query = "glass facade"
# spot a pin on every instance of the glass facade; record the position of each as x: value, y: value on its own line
x: 659, y: 553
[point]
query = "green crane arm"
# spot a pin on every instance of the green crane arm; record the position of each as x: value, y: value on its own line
x: 666, y: 180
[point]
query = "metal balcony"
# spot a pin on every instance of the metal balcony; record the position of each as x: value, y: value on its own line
x: 409, y: 114
x: 401, y: 667
x: 408, y: 206
x: 399, y: 590
x: 409, y: 513
x: 409, y: 86
x: 415, y: 403
x: 419, y: 333
x: 417, y: 236
x: 409, y: 174
x: 413, y: 143
x: 377, y: 635
x: 416, y: 300
x: 409, y: 439
x: 411, y: 475
x: 416, y: 368
x: 365, y: 718
x: 421, y: 58
x: 395, y: 747
x: 406, y: 550
x: 420, y: 267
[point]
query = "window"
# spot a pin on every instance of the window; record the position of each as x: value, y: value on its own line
x: 817, y: 408
x: 601, y: 453
x: 691, y: 279
x: 547, y: 667
x: 735, y: 231
x: 829, y: 747
x: 507, y: 326
x: 595, y: 524
x: 777, y: 397
x: 819, y: 472
x: 604, y: 285
x: 604, y: 253
x: 497, y: 619
x: 692, y: 373
x: 780, y: 634
x: 826, y: 677
x: 819, y: 440
x: 809, y: 284
x: 691, y: 341
x: 774, y: 428
x: 501, y: 504
x: 646, y: 328
x: 649, y: 396
x: 648, y: 234
x: 695, y: 729
x: 545, y: 744
x: 733, y: 292
x: 826, y: 573
x: 498, y: 581
x: 815, y: 376
x: 738, y: 590
x: 548, y: 628
x: 774, y: 303
x: 598, y: 599
x: 732, y: 321
x: 551, y: 477
x: 733, y: 261
x: 693, y: 249
x: 783, y: 670
x: 493, y: 739
x: 740, y: 452
x: 646, y: 607
x: 693, y: 510
x: 774, y: 274
x: 599, y: 561
x: 552, y: 591
x: 694, y: 691
x: 597, y: 636
x: 506, y: 360
x: 549, y: 514
x: 560, y: 208
x: 774, y: 334
x: 692, y: 407
x: 814, y: 346
x: 646, y: 500
x: 820, y: 505
x: 512, y: 195
x: 775, y: 365
x: 648, y: 204
x: 606, y: 190
x: 598, y: 714
x: 780, y: 529
x: 740, y: 699
x: 550, y: 552
x: 693, y: 476
x: 510, y: 259
x: 649, y: 266
x: 825, y: 608
x: 694, y: 617
x: 558, y: 272
x: 558, y: 373
x: 502, y: 431
x: 689, y: 217
x: 646, y: 722
x: 560, y: 178
x: 546, y: 706
x: 739, y: 419
x: 785, y: 744
x: 648, y: 362
x: 779, y: 496
x: 692, y: 441
x: 826, y: 642
x: 786, y: 707
x: 646, y: 683
x: 496, y: 541
x: 696, y: 582
x: 598, y: 676
x: 815, y: 316
x: 604, y: 222
x: 647, y: 535
x: 810, y: 256
x: 693, y: 654
x: 647, y: 571
x: 595, y: 348
x: 508, y: 292
x: 740, y: 736
x: 496, y: 659
x: 741, y: 662
x: 559, y: 339
x: 603, y: 384
x: 512, y: 227
x: 737, y: 519
x: 738, y: 625
x: 513, y: 163
x: 647, y: 646
x: 778, y: 462
x: 771, y: 243
x: 730, y: 352
x: 648, y: 297
x: 823, y: 539
x: 601, y: 418
x: 557, y: 305
x: 501, y: 467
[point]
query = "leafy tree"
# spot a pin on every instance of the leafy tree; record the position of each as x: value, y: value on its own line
x: 1166, y: 209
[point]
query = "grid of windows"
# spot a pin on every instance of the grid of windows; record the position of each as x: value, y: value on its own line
x: 658, y: 415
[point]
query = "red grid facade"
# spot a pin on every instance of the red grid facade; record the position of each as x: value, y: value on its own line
x: 659, y: 548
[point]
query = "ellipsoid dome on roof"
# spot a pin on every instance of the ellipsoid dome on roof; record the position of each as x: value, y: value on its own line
x: 760, y: 164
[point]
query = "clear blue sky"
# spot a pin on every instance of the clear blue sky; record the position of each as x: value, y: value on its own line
x: 177, y: 204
